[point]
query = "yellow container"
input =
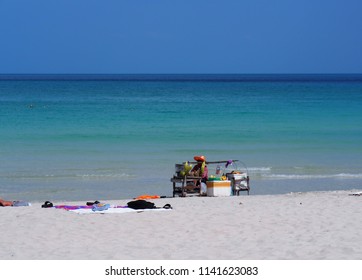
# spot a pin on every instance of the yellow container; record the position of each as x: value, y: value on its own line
x: 218, y: 188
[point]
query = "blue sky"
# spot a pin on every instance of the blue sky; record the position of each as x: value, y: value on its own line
x: 180, y: 36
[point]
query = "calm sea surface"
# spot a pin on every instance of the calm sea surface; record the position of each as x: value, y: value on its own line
x: 81, y: 137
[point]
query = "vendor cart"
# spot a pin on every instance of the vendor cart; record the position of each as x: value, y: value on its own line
x: 221, y: 173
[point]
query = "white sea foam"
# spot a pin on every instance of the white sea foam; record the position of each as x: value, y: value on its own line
x: 104, y: 176
x: 259, y: 169
x: 346, y: 175
x: 310, y: 176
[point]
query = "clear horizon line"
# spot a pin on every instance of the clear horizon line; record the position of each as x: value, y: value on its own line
x: 280, y: 73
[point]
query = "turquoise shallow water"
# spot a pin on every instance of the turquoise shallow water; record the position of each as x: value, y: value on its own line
x: 79, y: 137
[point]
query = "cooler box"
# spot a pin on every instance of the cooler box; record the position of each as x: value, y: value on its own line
x: 218, y: 188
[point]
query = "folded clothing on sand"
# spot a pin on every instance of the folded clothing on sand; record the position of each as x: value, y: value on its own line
x: 14, y: 203
x: 21, y: 203
x: 143, y: 204
x: 100, y: 207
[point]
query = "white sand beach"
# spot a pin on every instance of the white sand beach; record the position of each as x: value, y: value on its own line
x: 296, y: 226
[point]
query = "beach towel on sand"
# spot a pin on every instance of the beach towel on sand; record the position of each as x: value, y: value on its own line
x: 106, y: 208
x: 91, y: 207
x: 116, y: 210
x: 102, y: 208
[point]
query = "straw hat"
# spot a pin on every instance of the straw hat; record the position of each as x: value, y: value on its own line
x: 200, y: 158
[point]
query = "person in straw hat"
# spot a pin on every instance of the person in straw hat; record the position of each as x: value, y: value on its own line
x: 200, y: 170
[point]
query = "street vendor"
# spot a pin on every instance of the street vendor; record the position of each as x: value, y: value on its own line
x: 200, y: 169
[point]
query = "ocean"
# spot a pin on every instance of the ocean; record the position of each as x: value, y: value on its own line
x: 99, y: 137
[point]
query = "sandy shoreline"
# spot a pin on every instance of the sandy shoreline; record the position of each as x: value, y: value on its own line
x: 297, y: 226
